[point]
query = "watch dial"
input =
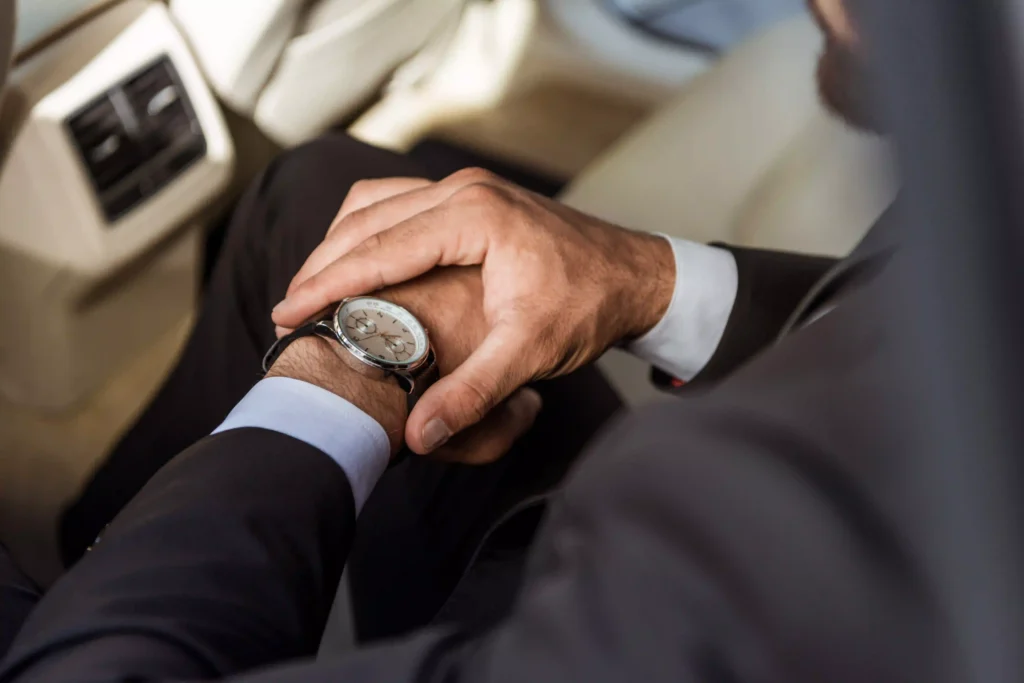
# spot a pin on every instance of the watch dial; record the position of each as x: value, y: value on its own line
x: 386, y: 332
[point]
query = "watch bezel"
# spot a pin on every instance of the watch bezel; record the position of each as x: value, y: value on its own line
x: 370, y: 359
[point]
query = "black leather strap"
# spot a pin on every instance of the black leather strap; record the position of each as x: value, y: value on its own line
x: 421, y: 382
x: 275, y: 351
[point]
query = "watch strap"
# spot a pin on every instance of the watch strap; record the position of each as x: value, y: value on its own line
x: 423, y: 380
x: 318, y: 328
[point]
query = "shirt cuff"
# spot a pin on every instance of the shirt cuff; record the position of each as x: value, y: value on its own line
x: 321, y: 419
x: 685, y: 339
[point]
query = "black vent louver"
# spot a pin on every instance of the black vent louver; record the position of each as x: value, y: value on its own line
x: 137, y: 137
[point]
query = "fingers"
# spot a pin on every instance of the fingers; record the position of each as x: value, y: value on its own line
x: 368, y: 192
x: 284, y: 331
x: 368, y: 209
x: 493, y: 436
x: 406, y: 251
x: 376, y: 205
x: 460, y: 400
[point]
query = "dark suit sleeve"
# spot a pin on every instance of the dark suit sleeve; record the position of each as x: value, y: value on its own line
x: 771, y: 284
x: 710, y: 540
x: 227, y: 560
x: 18, y: 595
x: 659, y: 562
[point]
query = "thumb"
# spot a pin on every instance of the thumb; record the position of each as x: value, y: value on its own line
x: 492, y: 437
x: 467, y: 395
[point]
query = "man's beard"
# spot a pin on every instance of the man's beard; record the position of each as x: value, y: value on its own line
x: 844, y: 86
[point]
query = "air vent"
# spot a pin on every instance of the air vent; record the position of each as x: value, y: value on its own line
x: 137, y: 137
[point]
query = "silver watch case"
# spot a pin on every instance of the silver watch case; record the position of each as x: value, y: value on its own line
x: 330, y: 328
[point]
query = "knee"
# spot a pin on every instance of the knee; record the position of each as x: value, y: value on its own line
x: 328, y: 164
x: 288, y: 208
x: 324, y: 169
x: 300, y: 192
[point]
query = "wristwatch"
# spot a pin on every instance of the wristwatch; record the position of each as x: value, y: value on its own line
x: 382, y: 338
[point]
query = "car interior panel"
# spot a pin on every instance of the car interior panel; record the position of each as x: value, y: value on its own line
x: 128, y: 129
x: 7, y: 22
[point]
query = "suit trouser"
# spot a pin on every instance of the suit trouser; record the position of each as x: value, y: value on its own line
x: 424, y: 520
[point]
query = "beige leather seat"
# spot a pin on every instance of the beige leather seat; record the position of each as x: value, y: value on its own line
x: 297, y: 68
x: 746, y: 155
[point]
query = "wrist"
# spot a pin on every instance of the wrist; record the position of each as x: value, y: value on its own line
x: 647, y: 282
x: 318, y: 362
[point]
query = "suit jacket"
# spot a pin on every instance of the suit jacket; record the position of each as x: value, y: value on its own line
x: 757, y: 529
x: 18, y: 595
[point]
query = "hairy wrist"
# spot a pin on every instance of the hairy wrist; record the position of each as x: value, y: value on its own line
x: 318, y: 362
x: 647, y: 282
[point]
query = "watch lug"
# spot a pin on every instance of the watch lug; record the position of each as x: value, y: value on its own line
x: 409, y: 377
x: 422, y: 378
x: 406, y: 380
x: 325, y: 329
x: 320, y: 328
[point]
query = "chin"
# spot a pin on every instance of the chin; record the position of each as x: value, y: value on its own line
x: 843, y: 86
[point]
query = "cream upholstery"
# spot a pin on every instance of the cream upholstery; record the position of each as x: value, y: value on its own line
x: 296, y: 68
x: 746, y: 155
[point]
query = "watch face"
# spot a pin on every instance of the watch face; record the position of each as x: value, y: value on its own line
x: 386, y: 333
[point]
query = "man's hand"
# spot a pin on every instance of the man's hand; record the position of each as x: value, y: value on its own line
x: 559, y: 287
x: 449, y: 303
x: 456, y: 328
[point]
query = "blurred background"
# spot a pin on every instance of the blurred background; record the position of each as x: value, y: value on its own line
x: 128, y: 129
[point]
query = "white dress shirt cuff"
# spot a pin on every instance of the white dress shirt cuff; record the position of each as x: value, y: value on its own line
x: 321, y: 419
x: 685, y: 339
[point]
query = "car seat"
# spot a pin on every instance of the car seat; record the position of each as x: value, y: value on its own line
x: 745, y: 155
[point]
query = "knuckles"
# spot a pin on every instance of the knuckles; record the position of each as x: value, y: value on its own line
x: 473, y: 176
x: 480, y: 196
x: 480, y: 189
x: 359, y: 189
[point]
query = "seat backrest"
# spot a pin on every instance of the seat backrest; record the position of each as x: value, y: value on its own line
x: 297, y: 68
x: 746, y: 155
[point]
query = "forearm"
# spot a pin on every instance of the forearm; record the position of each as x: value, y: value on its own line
x: 230, y: 557
x: 578, y: 594
x: 227, y: 560
x: 18, y: 595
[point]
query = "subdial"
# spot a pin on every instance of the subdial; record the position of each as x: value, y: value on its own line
x: 397, y: 346
x: 358, y: 322
x: 380, y: 335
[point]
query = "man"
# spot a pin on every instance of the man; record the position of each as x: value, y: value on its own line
x: 753, y: 532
